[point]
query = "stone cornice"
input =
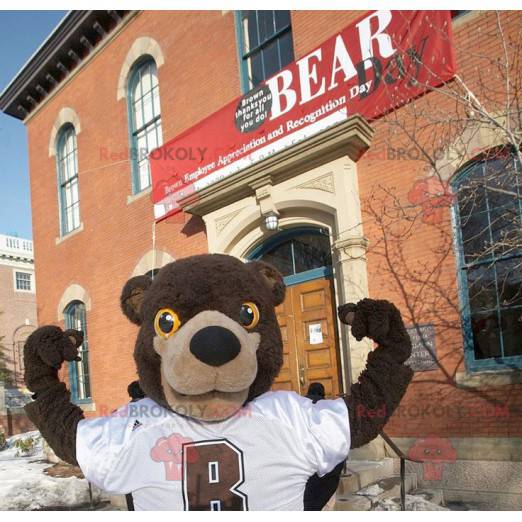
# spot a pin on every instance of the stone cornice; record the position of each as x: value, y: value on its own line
x: 77, y: 37
x: 349, y: 138
x: 17, y: 258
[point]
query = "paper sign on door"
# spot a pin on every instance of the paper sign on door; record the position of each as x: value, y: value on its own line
x: 316, y: 334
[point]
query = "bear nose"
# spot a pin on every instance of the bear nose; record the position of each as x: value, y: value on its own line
x: 215, y: 345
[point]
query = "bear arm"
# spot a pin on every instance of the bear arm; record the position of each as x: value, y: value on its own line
x: 57, y: 419
x: 52, y: 411
x: 376, y: 395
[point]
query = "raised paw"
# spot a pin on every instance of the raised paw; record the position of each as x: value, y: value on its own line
x: 54, y: 346
x: 346, y: 313
x: 376, y: 319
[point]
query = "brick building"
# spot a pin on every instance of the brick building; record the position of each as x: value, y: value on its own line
x: 106, y: 85
x: 17, y: 304
x: 17, y: 321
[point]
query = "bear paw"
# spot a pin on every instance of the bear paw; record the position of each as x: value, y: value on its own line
x: 53, y: 346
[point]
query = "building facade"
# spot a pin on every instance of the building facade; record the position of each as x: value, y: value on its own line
x: 17, y: 305
x: 106, y: 88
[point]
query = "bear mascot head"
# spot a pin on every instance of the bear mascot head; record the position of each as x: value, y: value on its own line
x: 227, y: 346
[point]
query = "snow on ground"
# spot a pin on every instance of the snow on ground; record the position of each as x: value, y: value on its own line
x: 24, y: 486
x: 413, y: 503
x: 370, y: 491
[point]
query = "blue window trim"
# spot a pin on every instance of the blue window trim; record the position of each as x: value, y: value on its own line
x: 285, y: 235
x: 472, y: 364
x: 243, y: 74
x: 61, y: 193
x: 242, y: 57
x: 73, y: 366
x: 302, y: 277
x: 140, y: 62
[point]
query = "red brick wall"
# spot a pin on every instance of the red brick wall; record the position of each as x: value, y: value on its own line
x: 199, y: 76
x: 16, y: 309
x: 116, y: 235
x: 15, y: 423
x: 433, y: 403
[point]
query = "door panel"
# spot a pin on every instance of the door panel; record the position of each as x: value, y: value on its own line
x: 313, y: 306
x: 308, y: 304
x: 288, y: 377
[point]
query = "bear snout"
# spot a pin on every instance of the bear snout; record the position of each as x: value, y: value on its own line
x: 215, y: 345
x: 210, y: 352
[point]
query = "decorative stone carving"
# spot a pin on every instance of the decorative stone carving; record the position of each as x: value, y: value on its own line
x: 263, y: 192
x: 222, y: 222
x: 324, y: 183
x: 265, y: 201
x: 351, y: 247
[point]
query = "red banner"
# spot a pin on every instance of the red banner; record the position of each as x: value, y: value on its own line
x: 374, y: 65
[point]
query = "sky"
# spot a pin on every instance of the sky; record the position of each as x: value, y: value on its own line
x: 21, y: 33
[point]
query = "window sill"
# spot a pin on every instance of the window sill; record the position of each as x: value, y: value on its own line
x: 488, y: 379
x: 87, y: 406
x: 134, y: 197
x: 69, y: 234
x: 465, y: 18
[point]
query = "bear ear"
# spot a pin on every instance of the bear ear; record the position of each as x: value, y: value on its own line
x: 272, y: 278
x: 132, y: 297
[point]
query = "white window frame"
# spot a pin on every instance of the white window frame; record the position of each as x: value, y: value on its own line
x: 31, y: 280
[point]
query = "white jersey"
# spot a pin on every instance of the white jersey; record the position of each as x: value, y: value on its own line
x: 259, y: 459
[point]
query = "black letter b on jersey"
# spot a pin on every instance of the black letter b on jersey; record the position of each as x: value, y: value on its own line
x: 212, y: 472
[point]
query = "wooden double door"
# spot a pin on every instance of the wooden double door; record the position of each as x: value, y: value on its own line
x: 309, y: 336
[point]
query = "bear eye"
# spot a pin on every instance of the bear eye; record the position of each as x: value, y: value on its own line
x: 249, y: 315
x: 166, y: 322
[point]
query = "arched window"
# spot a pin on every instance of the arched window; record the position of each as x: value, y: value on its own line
x: 489, y: 242
x: 144, y: 120
x: 75, y: 318
x: 20, y: 335
x: 67, y: 165
x: 300, y: 254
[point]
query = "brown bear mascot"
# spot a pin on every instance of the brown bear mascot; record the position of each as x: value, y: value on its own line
x: 210, y: 435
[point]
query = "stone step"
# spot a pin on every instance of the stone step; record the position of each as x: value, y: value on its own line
x: 365, y: 482
x: 384, y: 495
x: 352, y: 502
x: 435, y: 496
x: 361, y: 473
x: 417, y: 499
x: 413, y: 503
x: 391, y: 486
